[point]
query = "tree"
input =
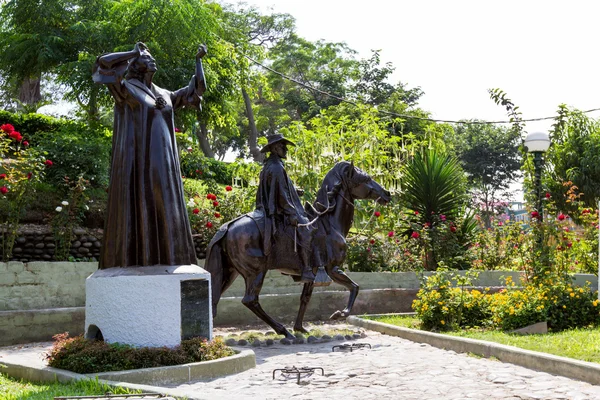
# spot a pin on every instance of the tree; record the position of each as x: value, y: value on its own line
x: 573, y: 157
x: 253, y: 32
x: 490, y: 156
x: 319, y: 67
x: 32, y: 42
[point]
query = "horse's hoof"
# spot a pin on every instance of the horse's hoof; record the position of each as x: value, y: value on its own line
x: 289, y: 335
x: 338, y: 315
x: 300, y: 329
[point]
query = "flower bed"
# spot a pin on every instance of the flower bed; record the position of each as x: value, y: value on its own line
x: 85, y: 356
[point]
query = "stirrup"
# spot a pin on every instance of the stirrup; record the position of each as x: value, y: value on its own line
x: 322, y: 279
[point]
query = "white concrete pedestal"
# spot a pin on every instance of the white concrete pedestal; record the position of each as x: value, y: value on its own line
x: 149, y: 306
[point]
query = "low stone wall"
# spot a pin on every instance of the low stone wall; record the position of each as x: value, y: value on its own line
x: 37, y: 243
x: 40, y: 299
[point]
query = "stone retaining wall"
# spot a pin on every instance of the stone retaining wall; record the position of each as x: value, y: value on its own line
x: 37, y: 243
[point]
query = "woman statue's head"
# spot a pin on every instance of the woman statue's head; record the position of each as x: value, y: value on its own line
x: 141, y: 66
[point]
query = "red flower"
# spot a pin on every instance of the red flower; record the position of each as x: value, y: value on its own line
x: 427, y: 225
x: 377, y: 214
x: 211, y: 196
x: 25, y: 143
x: 368, y: 249
x: 452, y: 229
x: 177, y: 130
x: 209, y: 224
x: 16, y: 136
x: 416, y: 213
x: 49, y: 163
x: 7, y: 128
x: 2, y: 176
x: 217, y: 215
x: 372, y: 241
x: 29, y: 175
x: 535, y: 214
x: 195, y: 211
x: 561, y: 217
x: 548, y: 195
x: 228, y: 188
x: 569, y: 244
x: 442, y: 217
x: 216, y: 203
x: 390, y: 233
x: 3, y: 190
x: 415, y: 235
x: 500, y: 223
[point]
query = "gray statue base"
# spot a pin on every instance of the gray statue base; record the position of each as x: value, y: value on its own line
x: 148, y: 306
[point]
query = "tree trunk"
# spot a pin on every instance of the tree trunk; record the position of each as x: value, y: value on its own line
x: 253, y: 136
x: 29, y: 92
x: 202, y: 135
x: 92, y: 108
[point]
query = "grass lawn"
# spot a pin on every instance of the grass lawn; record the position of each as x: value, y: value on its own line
x: 12, y: 389
x: 580, y: 344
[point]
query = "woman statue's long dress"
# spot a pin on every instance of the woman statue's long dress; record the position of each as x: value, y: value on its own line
x: 146, y: 221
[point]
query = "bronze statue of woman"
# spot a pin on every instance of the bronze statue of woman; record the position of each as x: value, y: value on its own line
x: 146, y: 220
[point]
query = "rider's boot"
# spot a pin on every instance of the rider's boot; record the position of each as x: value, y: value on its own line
x: 307, y: 272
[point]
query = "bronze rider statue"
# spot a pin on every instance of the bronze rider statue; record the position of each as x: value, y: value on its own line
x: 279, y: 200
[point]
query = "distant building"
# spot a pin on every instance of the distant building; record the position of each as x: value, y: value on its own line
x: 517, y: 212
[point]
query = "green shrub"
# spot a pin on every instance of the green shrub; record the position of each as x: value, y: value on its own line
x: 516, y: 308
x: 31, y: 125
x: 77, y: 151
x: 572, y: 307
x: 85, y: 356
x: 363, y: 256
x: 442, y: 307
x: 196, y: 165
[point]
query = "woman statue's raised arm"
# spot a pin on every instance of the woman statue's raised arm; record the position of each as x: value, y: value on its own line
x: 200, y: 81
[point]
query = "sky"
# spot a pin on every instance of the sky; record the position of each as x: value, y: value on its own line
x: 541, y: 53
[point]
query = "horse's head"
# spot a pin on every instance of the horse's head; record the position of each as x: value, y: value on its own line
x: 362, y: 186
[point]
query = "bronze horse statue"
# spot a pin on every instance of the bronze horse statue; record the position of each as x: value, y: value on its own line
x: 237, y: 247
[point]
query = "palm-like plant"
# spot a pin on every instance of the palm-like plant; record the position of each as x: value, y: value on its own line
x: 434, y: 184
x: 434, y: 190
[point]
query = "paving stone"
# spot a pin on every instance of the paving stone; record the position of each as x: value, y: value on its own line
x: 393, y: 369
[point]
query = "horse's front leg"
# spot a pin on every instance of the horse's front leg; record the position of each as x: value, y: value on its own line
x: 338, y: 276
x: 254, y: 284
x: 304, y: 299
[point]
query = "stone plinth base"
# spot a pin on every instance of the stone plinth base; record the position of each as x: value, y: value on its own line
x: 148, y: 306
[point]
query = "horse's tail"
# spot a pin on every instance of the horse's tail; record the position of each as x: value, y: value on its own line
x: 220, y: 273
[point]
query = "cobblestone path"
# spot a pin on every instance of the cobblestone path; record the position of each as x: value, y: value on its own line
x: 393, y: 369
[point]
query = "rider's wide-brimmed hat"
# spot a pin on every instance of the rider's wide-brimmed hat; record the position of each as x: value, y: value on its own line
x: 278, y: 137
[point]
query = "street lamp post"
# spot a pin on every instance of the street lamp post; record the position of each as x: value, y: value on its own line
x: 538, y: 143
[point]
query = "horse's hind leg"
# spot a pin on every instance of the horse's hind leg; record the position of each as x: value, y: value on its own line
x: 253, y: 286
x: 304, y: 299
x: 340, y: 277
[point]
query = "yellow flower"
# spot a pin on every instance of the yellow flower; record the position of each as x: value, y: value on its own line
x: 442, y: 322
x: 564, y: 306
x: 572, y: 294
x: 595, y: 303
x: 440, y: 302
x: 445, y: 308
